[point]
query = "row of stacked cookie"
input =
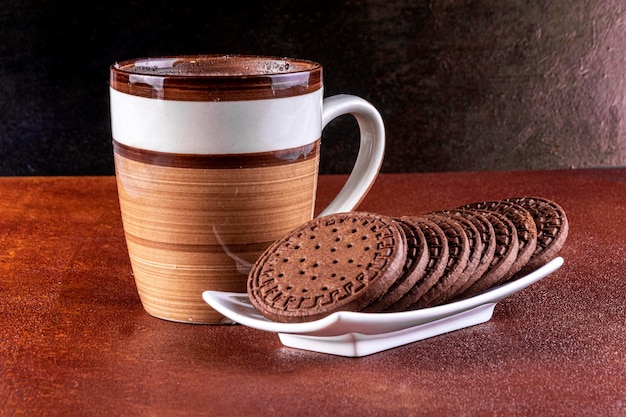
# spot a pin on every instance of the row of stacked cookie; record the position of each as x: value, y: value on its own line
x: 372, y: 263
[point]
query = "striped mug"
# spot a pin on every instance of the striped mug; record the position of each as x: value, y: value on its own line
x: 216, y: 157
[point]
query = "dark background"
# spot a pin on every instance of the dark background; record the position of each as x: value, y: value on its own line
x: 462, y: 85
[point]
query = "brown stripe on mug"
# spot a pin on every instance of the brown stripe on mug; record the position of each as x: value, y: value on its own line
x: 216, y: 77
x: 256, y: 247
x: 198, y: 222
x: 214, y: 161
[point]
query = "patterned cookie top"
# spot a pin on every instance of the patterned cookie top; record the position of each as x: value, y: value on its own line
x: 414, y: 268
x: 552, y: 229
x: 487, y: 235
x: 338, y: 262
x: 438, y: 255
x: 459, y: 250
x: 475, y: 254
x: 524, y: 225
x: 505, y: 254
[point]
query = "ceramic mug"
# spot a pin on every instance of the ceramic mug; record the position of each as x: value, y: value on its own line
x: 216, y: 157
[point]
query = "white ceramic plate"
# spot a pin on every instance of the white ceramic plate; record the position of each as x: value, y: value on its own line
x: 348, y: 333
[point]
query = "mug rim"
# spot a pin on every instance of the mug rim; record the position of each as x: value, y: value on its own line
x: 216, y: 77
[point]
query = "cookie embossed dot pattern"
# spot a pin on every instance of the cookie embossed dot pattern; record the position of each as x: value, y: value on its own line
x: 333, y: 270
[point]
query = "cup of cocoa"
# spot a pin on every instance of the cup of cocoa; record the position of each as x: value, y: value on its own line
x: 216, y: 157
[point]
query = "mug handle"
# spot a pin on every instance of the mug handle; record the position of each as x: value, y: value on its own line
x: 371, y: 150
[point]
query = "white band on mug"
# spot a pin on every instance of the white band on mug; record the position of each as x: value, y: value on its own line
x: 227, y: 127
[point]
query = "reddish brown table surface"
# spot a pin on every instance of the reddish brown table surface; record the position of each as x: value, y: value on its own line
x: 74, y: 339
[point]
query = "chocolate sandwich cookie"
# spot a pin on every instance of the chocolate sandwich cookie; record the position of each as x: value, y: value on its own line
x: 524, y: 224
x: 552, y: 229
x: 458, y: 246
x: 475, y: 255
x: 438, y: 253
x: 505, y: 254
x: 487, y: 235
x: 337, y: 262
x: 414, y: 268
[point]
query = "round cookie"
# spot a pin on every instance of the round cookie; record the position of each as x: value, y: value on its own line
x: 524, y: 224
x: 505, y: 254
x: 552, y: 229
x: 475, y: 255
x: 458, y: 246
x: 337, y: 262
x: 487, y: 235
x: 438, y: 253
x: 414, y: 268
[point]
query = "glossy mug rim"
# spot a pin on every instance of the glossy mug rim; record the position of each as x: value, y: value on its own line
x: 215, y: 77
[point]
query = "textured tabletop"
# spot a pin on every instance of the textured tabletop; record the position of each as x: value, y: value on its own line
x: 74, y: 339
